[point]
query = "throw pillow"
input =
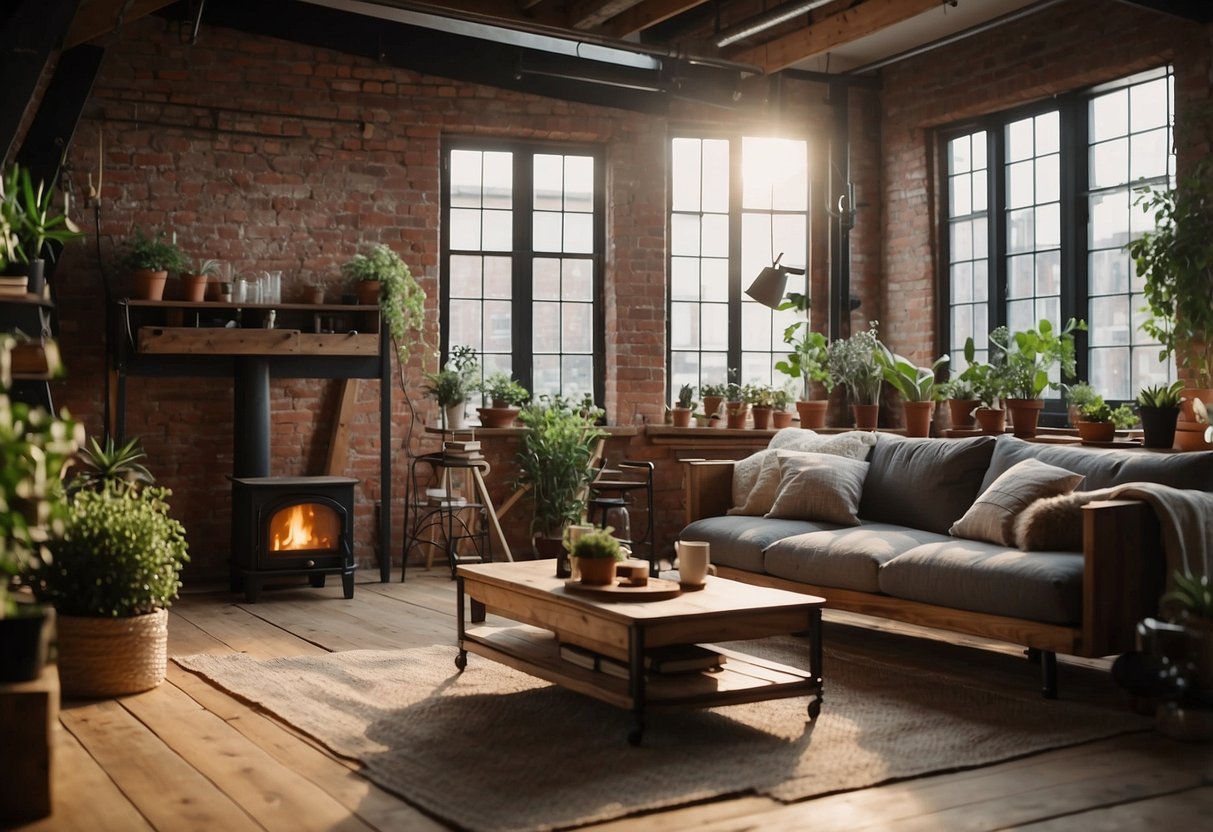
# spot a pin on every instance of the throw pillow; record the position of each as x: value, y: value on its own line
x: 992, y: 516
x: 822, y: 487
x: 1054, y: 524
x: 756, y: 478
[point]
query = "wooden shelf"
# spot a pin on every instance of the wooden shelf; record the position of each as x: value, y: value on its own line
x: 164, y: 340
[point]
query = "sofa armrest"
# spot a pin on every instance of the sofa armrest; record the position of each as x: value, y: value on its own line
x: 709, y: 488
x: 1123, y: 573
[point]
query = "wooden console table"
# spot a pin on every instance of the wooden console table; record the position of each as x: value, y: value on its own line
x: 250, y: 343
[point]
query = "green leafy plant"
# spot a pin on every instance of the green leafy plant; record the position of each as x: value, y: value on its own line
x: 686, y: 396
x: 852, y: 362
x: 1167, y: 397
x: 554, y: 459
x: 597, y: 544
x: 203, y: 267
x: 959, y: 388
x: 503, y: 391
x: 987, y: 379
x: 809, y: 359
x: 452, y: 383
x: 1176, y: 260
x: 781, y: 397
x: 916, y: 384
x: 1029, y: 355
x: 1192, y: 595
x: 120, y: 554
x: 111, y: 462
x: 1080, y: 394
x: 758, y: 395
x: 1121, y: 417
x: 401, y: 298
x: 154, y: 253
x: 32, y: 218
x: 709, y: 389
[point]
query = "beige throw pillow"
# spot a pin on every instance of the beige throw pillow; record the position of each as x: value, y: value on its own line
x: 821, y: 487
x: 756, y: 478
x: 992, y: 517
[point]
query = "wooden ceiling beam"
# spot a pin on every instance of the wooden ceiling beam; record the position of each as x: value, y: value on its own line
x: 646, y: 14
x: 101, y: 17
x: 833, y: 31
x: 588, y: 14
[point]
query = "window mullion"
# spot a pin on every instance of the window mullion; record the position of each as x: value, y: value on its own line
x: 997, y: 223
x: 522, y: 268
x: 1073, y: 125
x: 735, y: 237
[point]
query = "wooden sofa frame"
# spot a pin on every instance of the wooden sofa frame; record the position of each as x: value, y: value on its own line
x: 1122, y: 580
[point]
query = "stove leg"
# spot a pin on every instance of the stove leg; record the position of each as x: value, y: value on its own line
x: 252, y: 589
x: 347, y: 585
x: 317, y: 581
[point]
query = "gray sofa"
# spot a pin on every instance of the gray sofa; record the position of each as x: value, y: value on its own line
x: 1082, y: 598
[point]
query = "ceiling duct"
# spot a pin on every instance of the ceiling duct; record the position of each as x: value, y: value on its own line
x: 764, y: 21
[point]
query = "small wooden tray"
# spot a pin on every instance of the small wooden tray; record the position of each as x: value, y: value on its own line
x: 656, y: 589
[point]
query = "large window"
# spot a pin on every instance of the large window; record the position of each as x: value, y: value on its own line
x: 735, y: 205
x: 1040, y: 204
x: 522, y: 263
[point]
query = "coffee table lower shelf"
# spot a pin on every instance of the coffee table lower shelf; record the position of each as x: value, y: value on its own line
x: 741, y: 679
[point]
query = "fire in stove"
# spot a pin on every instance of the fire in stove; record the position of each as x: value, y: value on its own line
x: 304, y: 526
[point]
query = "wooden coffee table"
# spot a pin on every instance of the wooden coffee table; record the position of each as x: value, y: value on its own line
x: 548, y: 614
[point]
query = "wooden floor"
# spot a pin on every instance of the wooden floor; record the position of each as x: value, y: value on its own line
x: 185, y: 756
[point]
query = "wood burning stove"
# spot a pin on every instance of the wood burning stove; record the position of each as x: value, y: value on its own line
x: 292, y: 526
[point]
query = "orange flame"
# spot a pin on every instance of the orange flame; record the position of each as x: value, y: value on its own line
x: 300, y: 527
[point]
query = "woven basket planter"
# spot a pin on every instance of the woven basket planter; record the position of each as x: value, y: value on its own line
x: 112, y: 656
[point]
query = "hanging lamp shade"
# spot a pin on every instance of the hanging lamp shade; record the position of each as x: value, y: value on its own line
x: 768, y: 288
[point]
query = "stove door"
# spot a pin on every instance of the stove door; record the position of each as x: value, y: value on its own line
x: 304, y: 531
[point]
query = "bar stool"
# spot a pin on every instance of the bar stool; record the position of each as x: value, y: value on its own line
x: 611, y: 497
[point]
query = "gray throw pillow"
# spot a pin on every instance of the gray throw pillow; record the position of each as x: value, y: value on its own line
x: 992, y: 517
x: 821, y: 487
x: 756, y: 478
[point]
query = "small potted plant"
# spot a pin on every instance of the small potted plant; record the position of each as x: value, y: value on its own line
x: 195, y: 278
x: 852, y: 363
x: 781, y: 417
x: 1028, y: 356
x: 451, y: 385
x: 380, y: 276
x: 27, y: 211
x: 808, y: 362
x: 736, y: 407
x: 113, y: 575
x: 503, y: 398
x: 714, y: 396
x: 1190, y: 604
x: 597, y: 552
x: 917, y: 386
x: 1077, y: 397
x: 1158, y: 409
x: 681, y: 412
x: 150, y: 259
x: 761, y: 400
x: 962, y: 401
x: 1099, y: 421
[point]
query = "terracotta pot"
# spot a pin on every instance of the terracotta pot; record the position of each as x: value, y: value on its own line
x: 1096, y: 431
x: 992, y: 420
x: 367, y: 292
x: 762, y: 418
x: 867, y: 416
x: 497, y: 417
x: 1025, y: 413
x: 112, y: 656
x: 781, y: 419
x: 737, y: 414
x: 1189, y: 433
x: 149, y: 285
x: 961, y: 412
x: 314, y: 294
x: 812, y: 413
x: 1158, y: 426
x: 681, y: 417
x: 918, y: 417
x: 193, y: 287
x: 711, y: 405
x: 596, y: 571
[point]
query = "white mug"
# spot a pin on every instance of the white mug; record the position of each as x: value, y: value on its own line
x: 693, y: 562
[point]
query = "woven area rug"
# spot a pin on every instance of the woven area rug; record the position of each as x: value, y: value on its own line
x: 494, y: 749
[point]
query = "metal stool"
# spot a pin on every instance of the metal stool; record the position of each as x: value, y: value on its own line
x: 610, y: 496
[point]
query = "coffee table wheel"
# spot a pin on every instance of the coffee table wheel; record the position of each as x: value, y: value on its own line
x: 814, y: 709
x: 461, y: 659
x: 635, y: 736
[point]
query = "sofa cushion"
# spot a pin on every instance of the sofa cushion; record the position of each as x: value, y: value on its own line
x: 819, y: 487
x: 756, y: 478
x: 984, y: 577
x: 1103, y: 467
x: 740, y: 541
x: 992, y: 517
x: 924, y: 483
x: 846, y: 558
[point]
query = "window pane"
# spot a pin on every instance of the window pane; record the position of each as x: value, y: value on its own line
x: 960, y: 158
x: 1148, y: 105
x: 961, y: 190
x: 1149, y: 155
x: 962, y: 283
x: 465, y: 276
x: 961, y: 240
x: 715, y: 327
x: 498, y: 180
x: 548, y: 182
x: 578, y: 371
x: 981, y: 280
x: 1109, y: 220
x: 546, y: 327
x: 684, y: 235
x: 1109, y: 163
x: 577, y: 327
x: 715, y: 285
x: 1108, y: 272
x: 1048, y: 179
x: 1021, y: 230
x: 545, y: 273
x: 1109, y: 323
x: 579, y: 184
x: 685, y: 165
x: 1048, y: 273
x: 465, y: 179
x: 579, y: 233
x: 1020, y: 140
x: 1048, y: 226
x: 465, y: 322
x: 715, y: 239
x: 1048, y: 134
x: 498, y: 321
x: 578, y: 281
x: 497, y: 278
x: 1109, y: 372
x: 498, y: 231
x: 1020, y: 276
x: 755, y: 326
x: 716, y: 176
x: 546, y: 231
x: 684, y: 278
x: 1109, y: 116
x: 684, y: 326
x: 465, y: 229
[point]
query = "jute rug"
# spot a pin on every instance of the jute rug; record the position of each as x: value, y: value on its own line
x: 494, y: 749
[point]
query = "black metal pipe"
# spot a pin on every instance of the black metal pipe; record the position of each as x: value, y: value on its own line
x: 251, y: 433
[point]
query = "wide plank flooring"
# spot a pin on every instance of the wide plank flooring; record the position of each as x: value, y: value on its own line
x: 187, y: 756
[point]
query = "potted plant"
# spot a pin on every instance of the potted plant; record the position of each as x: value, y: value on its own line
x: 962, y: 401
x: 714, y: 396
x: 808, y: 362
x: 35, y: 449
x: 195, y: 277
x: 1176, y: 261
x: 781, y: 417
x: 1190, y: 604
x: 761, y: 400
x: 852, y: 363
x: 1077, y: 397
x: 555, y: 461
x: 378, y: 275
x: 1027, y: 357
x: 1158, y: 409
x: 451, y: 385
x: 113, y: 575
x: 503, y: 397
x: 681, y: 413
x: 33, y: 223
x: 597, y: 552
x: 1099, y: 421
x: 150, y: 259
x: 917, y: 386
